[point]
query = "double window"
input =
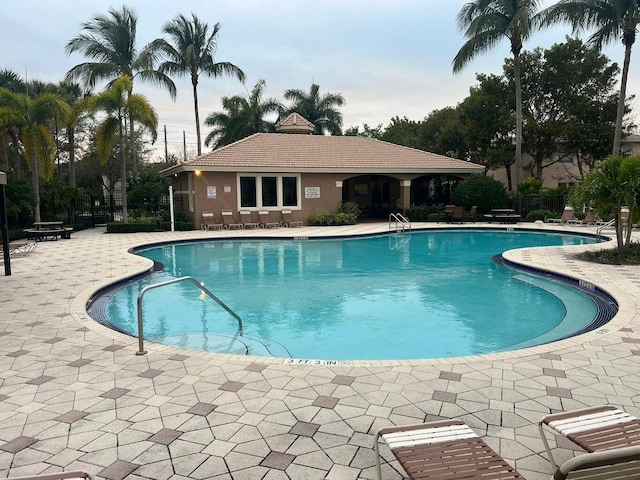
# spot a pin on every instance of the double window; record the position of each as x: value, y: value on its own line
x: 263, y: 191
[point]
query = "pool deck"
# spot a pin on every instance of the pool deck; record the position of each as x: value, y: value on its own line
x: 75, y: 396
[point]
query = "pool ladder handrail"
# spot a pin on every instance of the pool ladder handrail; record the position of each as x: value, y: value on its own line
x: 141, y: 350
x: 603, y: 226
x: 399, y: 219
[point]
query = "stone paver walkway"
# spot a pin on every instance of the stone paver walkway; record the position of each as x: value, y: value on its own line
x: 74, y: 396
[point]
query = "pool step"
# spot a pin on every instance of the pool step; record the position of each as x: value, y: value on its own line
x: 230, y: 344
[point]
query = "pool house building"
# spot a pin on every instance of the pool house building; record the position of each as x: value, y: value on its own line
x: 311, y: 174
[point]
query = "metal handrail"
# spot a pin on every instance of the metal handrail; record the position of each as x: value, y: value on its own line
x: 603, y: 226
x: 401, y: 219
x: 141, y: 350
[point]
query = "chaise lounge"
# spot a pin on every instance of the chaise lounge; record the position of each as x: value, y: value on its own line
x: 450, y: 450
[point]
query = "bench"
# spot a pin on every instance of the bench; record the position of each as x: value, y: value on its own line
x: 39, y: 234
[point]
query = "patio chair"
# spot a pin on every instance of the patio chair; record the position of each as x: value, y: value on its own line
x: 265, y: 220
x: 470, y: 216
x: 288, y: 221
x: 450, y: 450
x: 228, y: 222
x: 20, y: 247
x: 209, y: 222
x: 245, y: 219
x: 457, y: 214
x: 566, y: 218
x: 593, y: 429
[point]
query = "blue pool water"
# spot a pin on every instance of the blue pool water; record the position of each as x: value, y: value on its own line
x: 428, y: 294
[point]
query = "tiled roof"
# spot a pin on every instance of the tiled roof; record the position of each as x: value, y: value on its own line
x: 292, y: 152
x: 295, y: 123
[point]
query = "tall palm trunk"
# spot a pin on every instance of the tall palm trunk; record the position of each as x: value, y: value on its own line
x: 71, y: 135
x: 194, y: 82
x: 518, y: 82
x: 123, y: 172
x: 4, y: 152
x: 132, y: 149
x: 35, y: 178
x: 617, y: 138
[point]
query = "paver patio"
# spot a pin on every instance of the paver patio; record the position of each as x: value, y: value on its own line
x: 74, y: 396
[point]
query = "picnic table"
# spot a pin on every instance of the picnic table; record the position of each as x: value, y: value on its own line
x: 503, y: 215
x: 48, y: 231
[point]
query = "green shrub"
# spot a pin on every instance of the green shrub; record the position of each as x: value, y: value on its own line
x: 436, y: 217
x: 485, y: 192
x: 420, y: 213
x: 530, y: 186
x: 542, y: 214
x: 350, y: 208
x: 325, y: 219
x: 179, y: 226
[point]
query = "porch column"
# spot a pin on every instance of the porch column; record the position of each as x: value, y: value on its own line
x: 405, y: 192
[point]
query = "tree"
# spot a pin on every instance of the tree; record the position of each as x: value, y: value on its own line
x: 485, y: 23
x: 367, y: 131
x: 242, y: 117
x: 31, y: 117
x: 192, y: 53
x: 612, y: 20
x: 612, y: 184
x: 14, y: 83
x: 110, y: 40
x: 403, y: 131
x: 484, y: 192
x: 320, y: 110
x: 117, y: 103
x: 486, y: 124
x: 569, y: 103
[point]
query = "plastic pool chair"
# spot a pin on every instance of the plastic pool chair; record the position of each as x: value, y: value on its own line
x: 288, y: 221
x: 209, y: 222
x: 245, y: 219
x: 444, y: 449
x: 567, y: 217
x: 593, y: 429
x: 228, y: 221
x: 450, y: 450
x: 265, y: 220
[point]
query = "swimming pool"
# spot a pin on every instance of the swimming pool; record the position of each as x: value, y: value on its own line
x: 429, y: 294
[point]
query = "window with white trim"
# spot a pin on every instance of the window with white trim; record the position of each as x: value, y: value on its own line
x: 269, y: 191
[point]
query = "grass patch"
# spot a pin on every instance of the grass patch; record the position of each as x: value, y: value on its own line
x: 629, y: 255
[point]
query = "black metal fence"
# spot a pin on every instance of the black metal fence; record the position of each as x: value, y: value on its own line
x: 523, y: 204
x: 97, y: 210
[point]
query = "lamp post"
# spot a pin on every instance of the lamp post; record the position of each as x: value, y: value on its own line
x: 4, y: 224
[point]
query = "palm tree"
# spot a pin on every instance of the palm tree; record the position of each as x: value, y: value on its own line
x: 485, y: 23
x: 31, y: 116
x: 13, y: 82
x: 612, y: 184
x: 77, y: 101
x: 117, y: 103
x: 612, y: 20
x: 319, y: 110
x: 243, y: 117
x: 192, y: 53
x: 110, y: 41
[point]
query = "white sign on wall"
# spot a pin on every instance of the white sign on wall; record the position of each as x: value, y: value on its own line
x: 211, y: 192
x: 311, y: 192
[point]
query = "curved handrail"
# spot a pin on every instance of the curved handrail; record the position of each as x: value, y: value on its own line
x: 141, y: 350
x: 401, y: 219
x: 603, y: 226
